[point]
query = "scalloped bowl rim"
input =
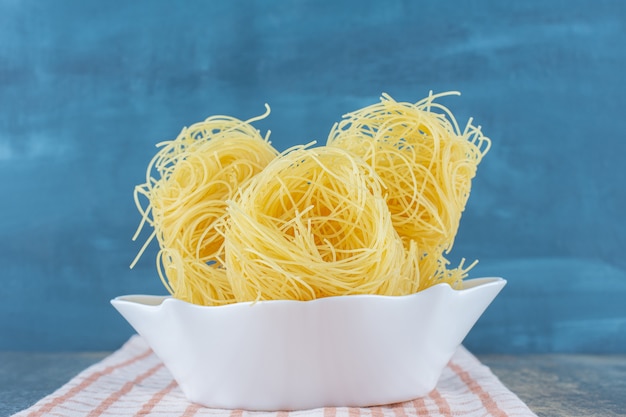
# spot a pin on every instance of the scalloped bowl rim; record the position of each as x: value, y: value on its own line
x: 158, y: 300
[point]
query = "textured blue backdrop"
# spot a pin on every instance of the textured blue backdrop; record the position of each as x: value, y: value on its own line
x: 87, y: 88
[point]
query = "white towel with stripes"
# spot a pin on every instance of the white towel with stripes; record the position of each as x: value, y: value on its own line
x: 133, y: 382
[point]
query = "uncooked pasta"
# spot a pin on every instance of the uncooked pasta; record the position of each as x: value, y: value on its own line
x: 313, y: 224
x: 374, y: 211
x: 424, y: 159
x: 426, y: 163
x: 195, y: 174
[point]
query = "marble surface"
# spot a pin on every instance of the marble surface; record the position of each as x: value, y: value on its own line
x: 560, y: 385
x: 26, y: 377
x: 554, y: 385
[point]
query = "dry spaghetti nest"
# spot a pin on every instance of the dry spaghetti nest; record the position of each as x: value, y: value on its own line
x: 314, y: 224
x: 187, y: 185
x: 372, y: 212
x: 424, y: 159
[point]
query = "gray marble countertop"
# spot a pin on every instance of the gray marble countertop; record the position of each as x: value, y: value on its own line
x: 560, y: 385
x: 551, y: 385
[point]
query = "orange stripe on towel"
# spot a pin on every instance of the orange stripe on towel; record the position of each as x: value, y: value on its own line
x: 420, y: 407
x: 354, y: 412
x: 156, y: 398
x: 236, y: 413
x: 442, y: 404
x: 191, y: 410
x: 330, y: 411
x: 399, y: 410
x: 46, y: 408
x: 377, y: 412
x: 488, y: 402
x: 112, y: 399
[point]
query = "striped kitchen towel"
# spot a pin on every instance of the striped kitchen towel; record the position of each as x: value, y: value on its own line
x: 133, y: 382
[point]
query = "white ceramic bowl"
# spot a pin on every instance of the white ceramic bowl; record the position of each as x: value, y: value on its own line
x: 357, y: 350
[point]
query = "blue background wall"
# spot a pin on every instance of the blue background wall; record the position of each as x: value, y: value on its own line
x: 87, y: 88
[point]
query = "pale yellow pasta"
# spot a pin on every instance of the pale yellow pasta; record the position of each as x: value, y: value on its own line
x: 187, y: 185
x: 426, y: 163
x: 313, y: 224
x: 375, y: 211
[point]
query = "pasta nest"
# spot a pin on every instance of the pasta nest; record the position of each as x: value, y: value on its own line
x: 425, y: 161
x: 195, y: 174
x: 313, y: 224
